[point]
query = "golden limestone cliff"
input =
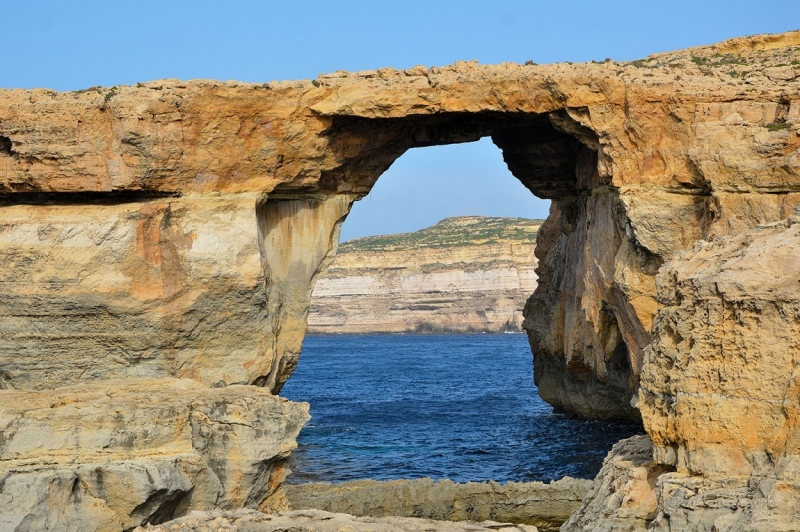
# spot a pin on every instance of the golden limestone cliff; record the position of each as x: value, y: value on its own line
x: 170, y: 234
x: 719, y: 395
x: 464, y: 274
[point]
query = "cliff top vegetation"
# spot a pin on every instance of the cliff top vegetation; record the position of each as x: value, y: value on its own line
x: 452, y: 232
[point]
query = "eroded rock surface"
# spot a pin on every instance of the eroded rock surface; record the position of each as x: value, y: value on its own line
x: 721, y: 382
x: 546, y: 506
x: 319, y: 521
x: 720, y: 390
x: 464, y: 274
x: 623, y: 496
x: 118, y: 454
x: 156, y: 185
x: 175, y: 230
x: 719, y: 396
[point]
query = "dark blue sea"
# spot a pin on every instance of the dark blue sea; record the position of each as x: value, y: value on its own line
x: 462, y: 407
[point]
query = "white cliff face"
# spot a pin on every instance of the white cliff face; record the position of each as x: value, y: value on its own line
x: 463, y: 274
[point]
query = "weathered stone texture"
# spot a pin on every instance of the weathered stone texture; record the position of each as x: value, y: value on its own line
x: 633, y: 493
x: 719, y: 397
x: 157, y: 288
x: 719, y: 387
x: 546, y: 506
x: 641, y: 159
x: 114, y: 455
x: 319, y: 521
x: 623, y: 497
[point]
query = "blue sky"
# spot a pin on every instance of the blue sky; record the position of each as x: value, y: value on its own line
x: 73, y: 45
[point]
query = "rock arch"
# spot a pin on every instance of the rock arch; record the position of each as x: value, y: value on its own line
x: 556, y: 158
x: 174, y: 230
x: 174, y: 177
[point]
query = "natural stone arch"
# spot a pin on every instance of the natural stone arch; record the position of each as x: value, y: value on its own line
x: 174, y: 180
x: 171, y: 266
x: 556, y: 158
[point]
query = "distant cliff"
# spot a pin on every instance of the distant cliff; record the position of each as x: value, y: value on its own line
x: 469, y: 273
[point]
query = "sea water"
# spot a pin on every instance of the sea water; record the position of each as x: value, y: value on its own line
x: 462, y: 407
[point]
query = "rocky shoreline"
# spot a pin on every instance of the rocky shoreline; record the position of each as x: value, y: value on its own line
x: 159, y: 245
x: 546, y: 506
x: 318, y: 521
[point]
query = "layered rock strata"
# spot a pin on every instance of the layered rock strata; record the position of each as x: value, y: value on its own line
x: 465, y: 274
x: 319, y: 521
x: 546, y: 506
x: 118, y: 454
x: 156, y: 186
x: 719, y: 397
x: 175, y: 230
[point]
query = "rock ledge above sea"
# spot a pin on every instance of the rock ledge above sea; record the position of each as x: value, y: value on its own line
x: 319, y: 521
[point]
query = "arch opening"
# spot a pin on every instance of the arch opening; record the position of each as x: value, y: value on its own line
x: 555, y: 156
x: 550, y: 163
x: 447, y: 245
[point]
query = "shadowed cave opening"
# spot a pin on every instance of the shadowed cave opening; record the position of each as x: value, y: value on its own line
x: 6, y: 147
x: 378, y: 401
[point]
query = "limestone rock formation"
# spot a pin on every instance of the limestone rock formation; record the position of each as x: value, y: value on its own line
x: 623, y: 497
x: 721, y: 388
x: 210, y: 208
x: 546, y: 506
x: 719, y: 396
x: 114, y: 455
x: 464, y: 274
x: 174, y: 230
x: 319, y: 521
x: 722, y: 376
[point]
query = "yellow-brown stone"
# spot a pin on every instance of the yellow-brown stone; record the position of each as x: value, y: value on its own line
x: 175, y: 229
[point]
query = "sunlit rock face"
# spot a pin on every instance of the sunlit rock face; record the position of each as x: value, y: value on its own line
x: 720, y: 390
x: 640, y: 159
x: 131, y: 290
x: 175, y: 230
x: 719, y: 396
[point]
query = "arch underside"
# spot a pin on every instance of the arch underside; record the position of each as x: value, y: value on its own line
x: 224, y: 304
x: 585, y: 367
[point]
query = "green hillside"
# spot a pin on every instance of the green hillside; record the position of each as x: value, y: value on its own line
x: 452, y: 232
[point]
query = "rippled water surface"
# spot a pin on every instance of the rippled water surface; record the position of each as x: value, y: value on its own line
x: 462, y: 407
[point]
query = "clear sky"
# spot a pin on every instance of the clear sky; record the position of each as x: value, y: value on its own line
x: 81, y: 43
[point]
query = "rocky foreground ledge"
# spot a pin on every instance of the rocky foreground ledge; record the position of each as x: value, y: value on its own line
x: 319, y: 521
x: 112, y: 456
x: 546, y: 506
